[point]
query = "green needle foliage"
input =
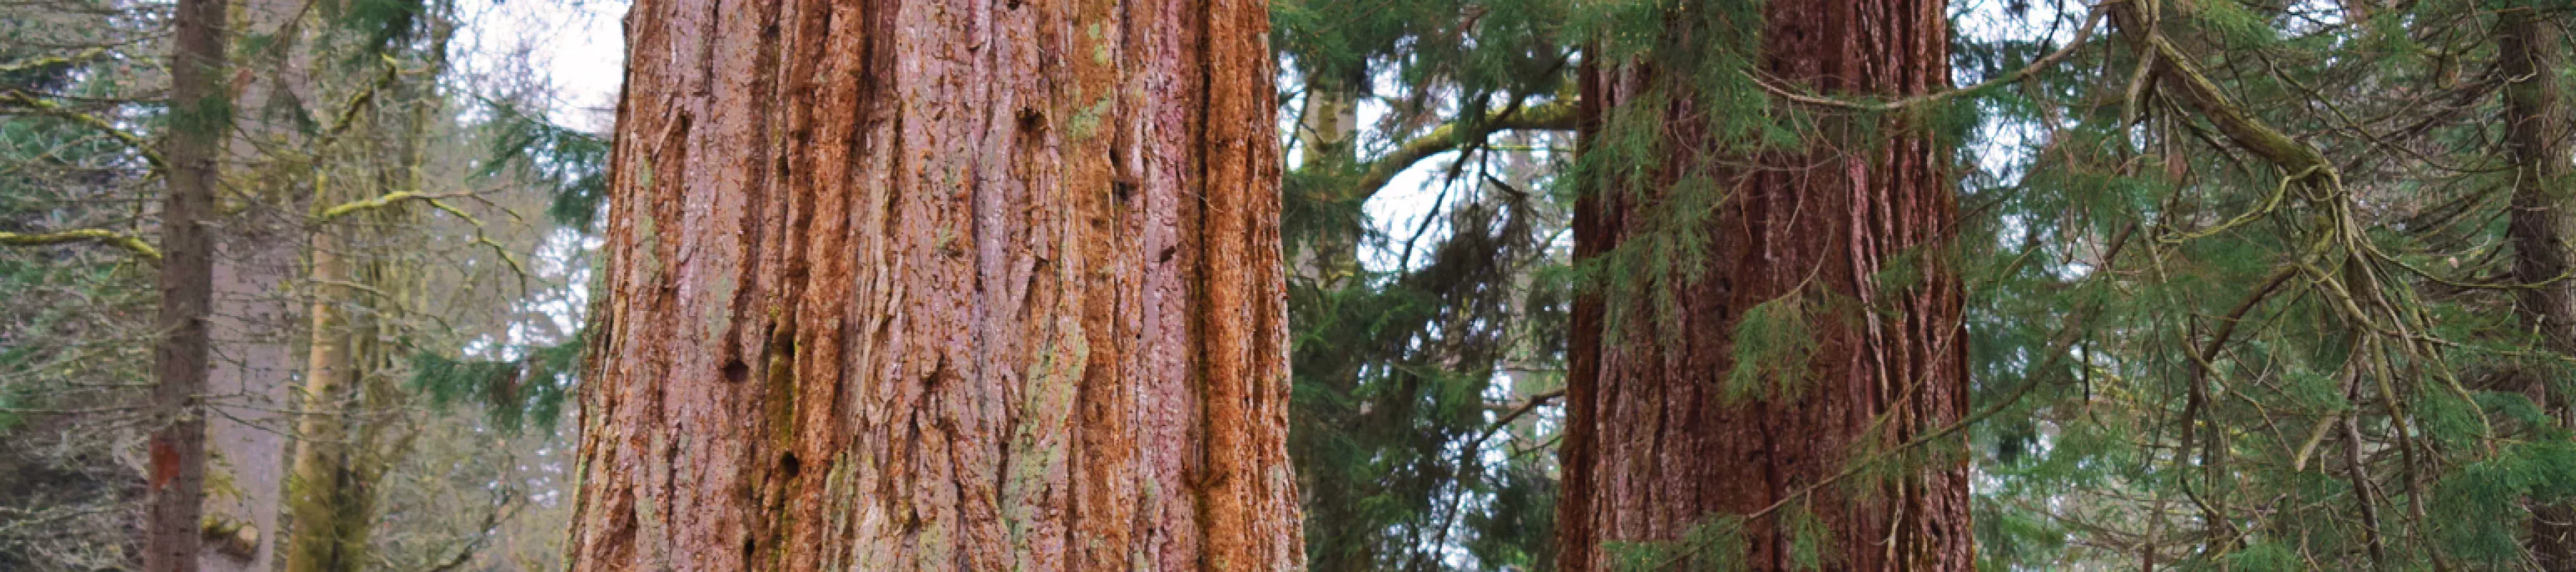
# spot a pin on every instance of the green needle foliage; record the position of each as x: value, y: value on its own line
x: 2203, y: 353
x: 570, y: 163
x: 2239, y: 273
x: 1415, y: 341
x: 514, y: 393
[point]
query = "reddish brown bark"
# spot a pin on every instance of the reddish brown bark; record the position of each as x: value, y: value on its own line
x: 176, y: 485
x: 1653, y: 446
x: 941, y: 285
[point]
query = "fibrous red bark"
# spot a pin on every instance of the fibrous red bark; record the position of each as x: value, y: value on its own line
x: 1655, y: 447
x: 941, y: 285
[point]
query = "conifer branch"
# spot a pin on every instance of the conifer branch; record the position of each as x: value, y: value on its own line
x: 46, y: 61
x: 130, y: 243
x: 2092, y: 18
x: 1553, y: 116
x: 21, y: 100
x: 2180, y: 72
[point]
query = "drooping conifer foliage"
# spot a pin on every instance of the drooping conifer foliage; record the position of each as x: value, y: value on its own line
x: 1426, y: 279
x: 2248, y: 284
x: 2257, y: 289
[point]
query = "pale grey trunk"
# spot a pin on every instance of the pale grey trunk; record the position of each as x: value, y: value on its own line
x: 254, y: 320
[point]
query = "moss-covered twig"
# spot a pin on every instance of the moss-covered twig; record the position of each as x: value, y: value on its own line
x: 112, y: 238
x: 21, y: 100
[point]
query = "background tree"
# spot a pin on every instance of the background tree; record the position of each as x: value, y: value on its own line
x: 1425, y: 284
x: 200, y: 110
x: 406, y: 140
x: 77, y: 253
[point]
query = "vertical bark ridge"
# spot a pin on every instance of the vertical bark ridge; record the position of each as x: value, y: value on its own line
x: 1655, y: 447
x: 2540, y: 228
x: 941, y: 285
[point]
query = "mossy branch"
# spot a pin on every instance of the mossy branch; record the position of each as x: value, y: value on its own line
x: 21, y: 100
x: 2180, y: 72
x: 130, y: 243
x: 1554, y: 116
x: 361, y: 101
x: 334, y: 212
x: 2092, y: 18
x: 50, y: 61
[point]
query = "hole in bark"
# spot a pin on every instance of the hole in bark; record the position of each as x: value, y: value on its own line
x: 735, y: 371
x: 1031, y: 121
x: 788, y: 465
x: 750, y: 546
x: 1122, y: 190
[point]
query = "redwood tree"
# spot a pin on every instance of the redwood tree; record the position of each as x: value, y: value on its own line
x: 941, y: 285
x: 1763, y: 369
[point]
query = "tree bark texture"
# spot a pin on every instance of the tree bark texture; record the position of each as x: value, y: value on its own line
x: 970, y: 285
x: 338, y: 456
x: 1654, y: 447
x: 2540, y: 228
x: 257, y: 262
x: 176, y: 482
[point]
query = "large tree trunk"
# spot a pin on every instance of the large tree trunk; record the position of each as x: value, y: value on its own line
x: 2541, y: 226
x: 1655, y: 445
x: 252, y: 324
x: 176, y: 485
x: 941, y: 285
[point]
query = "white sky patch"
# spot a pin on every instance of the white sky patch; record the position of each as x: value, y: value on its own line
x: 579, y: 45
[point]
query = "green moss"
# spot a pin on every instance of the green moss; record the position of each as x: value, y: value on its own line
x: 1039, y: 443
x: 1099, y: 44
x: 781, y: 386
x: 1086, y: 122
x: 720, y: 306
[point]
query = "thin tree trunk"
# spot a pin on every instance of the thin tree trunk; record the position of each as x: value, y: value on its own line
x: 941, y: 285
x: 177, y: 480
x: 1655, y: 447
x: 2540, y: 227
x: 350, y: 406
x: 1329, y: 125
x: 326, y: 500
